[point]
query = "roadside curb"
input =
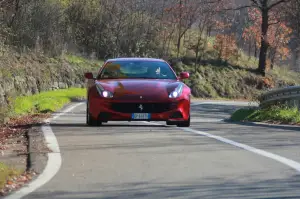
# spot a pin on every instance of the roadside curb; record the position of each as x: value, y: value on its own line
x: 36, y: 161
x: 37, y: 150
x: 44, y: 156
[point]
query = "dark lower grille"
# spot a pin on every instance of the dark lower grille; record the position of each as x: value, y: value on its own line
x: 146, y: 107
x: 176, y: 115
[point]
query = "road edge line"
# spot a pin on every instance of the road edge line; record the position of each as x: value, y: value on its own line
x: 288, y: 162
x: 283, y: 160
x: 54, y: 161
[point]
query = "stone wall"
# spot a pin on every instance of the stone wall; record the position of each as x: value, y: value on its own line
x: 26, y: 76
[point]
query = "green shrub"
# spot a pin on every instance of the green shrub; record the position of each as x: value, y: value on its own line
x: 242, y: 114
x: 281, y: 114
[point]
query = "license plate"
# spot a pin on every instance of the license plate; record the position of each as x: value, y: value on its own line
x: 141, y: 116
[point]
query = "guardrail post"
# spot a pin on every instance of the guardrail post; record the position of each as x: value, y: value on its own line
x: 295, y: 103
x: 292, y: 103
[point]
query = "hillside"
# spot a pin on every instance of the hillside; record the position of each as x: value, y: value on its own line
x: 31, y: 73
x: 218, y: 79
x: 218, y: 41
x: 212, y: 78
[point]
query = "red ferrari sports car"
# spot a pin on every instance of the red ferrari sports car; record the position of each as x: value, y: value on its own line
x: 137, y: 89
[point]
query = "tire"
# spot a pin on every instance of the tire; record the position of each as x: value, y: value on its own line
x: 169, y: 123
x: 185, y: 123
x: 89, y: 119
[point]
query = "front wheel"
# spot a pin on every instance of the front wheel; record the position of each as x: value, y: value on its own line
x: 89, y: 119
x: 170, y: 123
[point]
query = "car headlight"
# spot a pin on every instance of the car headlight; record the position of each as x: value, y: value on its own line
x: 176, y: 92
x: 103, y: 92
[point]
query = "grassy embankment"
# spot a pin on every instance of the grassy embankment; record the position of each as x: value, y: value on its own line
x: 214, y: 82
x: 39, y: 74
x: 27, y: 108
x: 45, y: 102
x: 233, y: 79
x: 51, y: 101
x: 236, y: 79
x: 274, y: 114
x: 212, y: 78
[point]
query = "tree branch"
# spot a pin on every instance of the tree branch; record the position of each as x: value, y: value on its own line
x: 242, y: 7
x: 2, y: 1
x: 238, y: 8
x: 277, y: 3
x: 255, y: 2
x: 273, y: 23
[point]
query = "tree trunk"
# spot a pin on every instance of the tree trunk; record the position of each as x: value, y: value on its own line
x: 178, y: 45
x: 209, y: 31
x: 297, y: 60
x: 196, y: 60
x: 249, y: 50
x: 16, y: 12
x: 179, y: 30
x: 197, y: 50
x: 272, y: 62
x: 264, y: 41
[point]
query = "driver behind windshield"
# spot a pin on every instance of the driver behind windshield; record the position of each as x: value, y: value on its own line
x: 146, y: 69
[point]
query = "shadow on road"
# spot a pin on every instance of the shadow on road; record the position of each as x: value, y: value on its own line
x: 213, y: 111
x: 212, y: 188
x: 105, y: 125
x: 218, y: 111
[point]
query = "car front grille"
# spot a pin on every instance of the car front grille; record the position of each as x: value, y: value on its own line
x: 145, y: 108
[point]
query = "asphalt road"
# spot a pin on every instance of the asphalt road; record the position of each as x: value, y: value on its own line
x: 143, y: 160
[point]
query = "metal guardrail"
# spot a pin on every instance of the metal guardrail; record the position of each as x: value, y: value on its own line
x: 289, y: 96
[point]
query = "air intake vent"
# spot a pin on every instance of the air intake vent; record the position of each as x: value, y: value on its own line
x: 176, y: 115
x: 141, y: 107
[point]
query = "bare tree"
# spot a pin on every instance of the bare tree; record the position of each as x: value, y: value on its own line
x: 265, y: 7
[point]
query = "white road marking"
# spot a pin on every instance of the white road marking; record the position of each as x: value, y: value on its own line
x: 288, y: 162
x: 53, y: 163
x: 157, y: 124
x: 206, y: 120
x: 54, y: 159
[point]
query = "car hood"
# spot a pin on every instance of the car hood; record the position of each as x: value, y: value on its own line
x: 136, y: 89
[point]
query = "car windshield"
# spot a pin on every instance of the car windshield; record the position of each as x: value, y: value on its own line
x: 137, y: 69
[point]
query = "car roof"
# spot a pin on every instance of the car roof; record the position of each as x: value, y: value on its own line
x: 135, y: 59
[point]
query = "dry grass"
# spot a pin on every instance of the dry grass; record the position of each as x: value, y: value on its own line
x: 7, y: 173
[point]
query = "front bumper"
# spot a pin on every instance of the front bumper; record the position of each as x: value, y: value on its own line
x: 105, y: 110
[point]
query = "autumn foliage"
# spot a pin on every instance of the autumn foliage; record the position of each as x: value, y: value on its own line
x: 226, y: 46
x: 278, y: 33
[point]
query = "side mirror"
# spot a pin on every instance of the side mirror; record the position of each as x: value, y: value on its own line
x: 184, y: 75
x: 89, y: 75
x: 171, y: 63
